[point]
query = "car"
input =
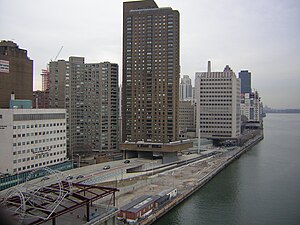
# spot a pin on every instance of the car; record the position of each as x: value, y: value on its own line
x: 127, y: 161
x: 106, y: 167
x: 45, y: 178
x: 69, y: 177
x: 79, y: 176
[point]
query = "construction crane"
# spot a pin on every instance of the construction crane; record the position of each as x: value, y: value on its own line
x: 58, y: 53
x: 46, y: 74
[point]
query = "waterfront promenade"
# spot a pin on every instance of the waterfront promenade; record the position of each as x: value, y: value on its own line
x: 187, y: 178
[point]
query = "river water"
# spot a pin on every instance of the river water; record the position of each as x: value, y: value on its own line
x: 262, y: 187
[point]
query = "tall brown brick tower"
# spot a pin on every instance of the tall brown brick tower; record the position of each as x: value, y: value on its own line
x: 16, y: 73
x: 150, y: 88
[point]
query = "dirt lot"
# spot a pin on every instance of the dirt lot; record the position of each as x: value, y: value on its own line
x: 181, y: 178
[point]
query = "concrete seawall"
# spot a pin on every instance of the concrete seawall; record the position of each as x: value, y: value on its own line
x: 232, y: 156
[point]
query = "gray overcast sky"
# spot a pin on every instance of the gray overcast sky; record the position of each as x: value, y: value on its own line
x: 262, y: 36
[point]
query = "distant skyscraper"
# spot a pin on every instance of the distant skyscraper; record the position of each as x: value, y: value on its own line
x: 89, y: 92
x: 186, y: 89
x: 16, y: 73
x: 218, y: 104
x: 150, y: 89
x: 245, y: 77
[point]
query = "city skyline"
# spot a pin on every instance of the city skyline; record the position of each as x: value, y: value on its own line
x: 261, y: 37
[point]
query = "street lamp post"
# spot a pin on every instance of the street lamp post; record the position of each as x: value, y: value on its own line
x: 173, y: 178
x: 78, y: 165
x: 152, y: 167
x: 199, y: 142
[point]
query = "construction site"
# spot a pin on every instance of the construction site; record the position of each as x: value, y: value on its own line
x: 138, y: 188
x: 186, y: 178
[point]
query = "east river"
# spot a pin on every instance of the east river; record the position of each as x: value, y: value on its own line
x: 262, y: 187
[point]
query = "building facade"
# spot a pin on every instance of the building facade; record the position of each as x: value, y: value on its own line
x: 16, y: 73
x: 218, y: 104
x: 40, y: 99
x: 187, y: 110
x: 186, y: 89
x: 59, y: 83
x: 251, y: 106
x: 105, y: 105
x: 245, y: 77
x: 150, y: 88
x: 31, y: 139
x: 89, y: 92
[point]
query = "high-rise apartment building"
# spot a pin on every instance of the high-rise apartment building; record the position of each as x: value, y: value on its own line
x: 89, y: 92
x: 105, y: 104
x: 251, y: 106
x: 186, y: 89
x: 150, y: 89
x: 59, y: 82
x: 16, y: 73
x: 245, y: 77
x: 218, y: 104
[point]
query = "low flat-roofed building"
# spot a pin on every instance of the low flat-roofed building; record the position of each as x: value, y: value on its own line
x: 138, y: 208
x: 143, y: 149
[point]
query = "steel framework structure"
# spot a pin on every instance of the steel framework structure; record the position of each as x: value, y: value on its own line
x: 37, y: 204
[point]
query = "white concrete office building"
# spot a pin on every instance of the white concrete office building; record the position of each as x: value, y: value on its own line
x: 31, y: 138
x: 218, y: 104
